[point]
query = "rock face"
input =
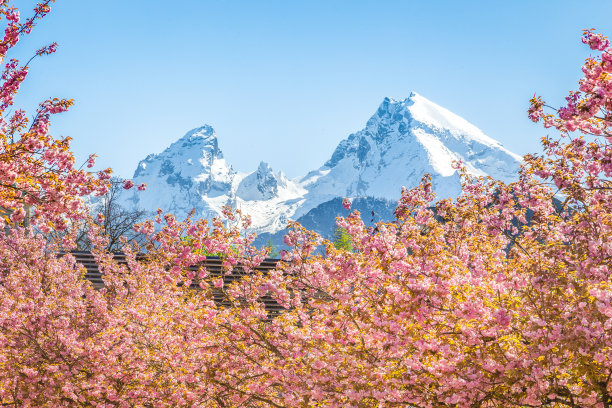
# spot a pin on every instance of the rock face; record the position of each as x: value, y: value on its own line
x: 403, y: 140
x: 262, y: 184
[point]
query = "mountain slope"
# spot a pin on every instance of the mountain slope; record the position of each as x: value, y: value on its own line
x: 322, y: 218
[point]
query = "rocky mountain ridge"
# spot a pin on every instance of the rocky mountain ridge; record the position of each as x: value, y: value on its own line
x: 402, y: 140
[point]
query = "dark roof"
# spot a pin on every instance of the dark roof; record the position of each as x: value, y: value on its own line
x: 213, y: 265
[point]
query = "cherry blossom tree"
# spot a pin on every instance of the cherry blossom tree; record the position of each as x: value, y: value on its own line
x: 38, y: 177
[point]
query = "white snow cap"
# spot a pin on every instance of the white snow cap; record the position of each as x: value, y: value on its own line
x: 422, y: 110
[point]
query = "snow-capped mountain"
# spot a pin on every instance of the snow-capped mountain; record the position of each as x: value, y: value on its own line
x: 403, y: 140
x: 190, y: 173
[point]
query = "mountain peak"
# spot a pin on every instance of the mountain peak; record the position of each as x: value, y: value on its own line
x: 203, y: 132
x: 193, y: 160
x: 264, y: 167
x: 416, y: 111
x: 199, y: 142
x: 404, y: 139
x: 389, y: 104
x: 262, y: 184
x: 393, y: 112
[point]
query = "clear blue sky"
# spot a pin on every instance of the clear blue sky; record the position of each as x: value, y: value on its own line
x: 285, y: 81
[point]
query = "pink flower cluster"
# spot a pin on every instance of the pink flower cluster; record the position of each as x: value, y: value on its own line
x: 588, y: 110
x: 38, y: 181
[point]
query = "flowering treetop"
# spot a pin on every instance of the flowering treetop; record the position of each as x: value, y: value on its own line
x: 588, y: 110
x: 37, y: 171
